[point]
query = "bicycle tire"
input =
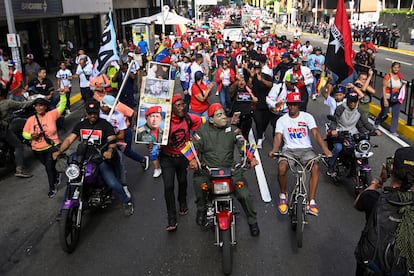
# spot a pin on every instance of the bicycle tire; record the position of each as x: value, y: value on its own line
x: 300, y: 217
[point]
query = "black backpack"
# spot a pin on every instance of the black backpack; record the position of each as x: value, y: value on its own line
x: 376, y: 249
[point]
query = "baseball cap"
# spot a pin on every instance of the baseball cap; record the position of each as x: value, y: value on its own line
x: 243, y: 49
x: 352, y: 97
x: 220, y: 46
x: 198, y: 75
x: 41, y: 100
x: 291, y: 78
x: 213, y: 108
x: 29, y: 56
x: 293, y: 97
x: 257, y: 64
x: 11, y: 63
x: 153, y: 109
x: 131, y: 54
x: 404, y: 158
x: 271, y: 42
x: 109, y: 101
x: 92, y: 106
x: 339, y: 89
x: 286, y: 55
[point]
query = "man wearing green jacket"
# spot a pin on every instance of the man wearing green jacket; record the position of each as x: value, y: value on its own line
x: 215, y: 142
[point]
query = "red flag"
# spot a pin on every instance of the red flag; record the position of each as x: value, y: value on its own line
x: 339, y: 52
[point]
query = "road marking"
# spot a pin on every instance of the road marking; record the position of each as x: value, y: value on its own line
x: 260, y: 175
x: 406, y: 63
x: 386, y: 132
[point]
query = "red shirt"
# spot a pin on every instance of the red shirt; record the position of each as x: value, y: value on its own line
x: 179, y: 133
x: 195, y: 104
x: 17, y: 80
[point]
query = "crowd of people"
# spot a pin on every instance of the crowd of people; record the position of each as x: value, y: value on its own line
x: 263, y: 78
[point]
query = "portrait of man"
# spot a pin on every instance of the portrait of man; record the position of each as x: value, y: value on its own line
x: 151, y: 131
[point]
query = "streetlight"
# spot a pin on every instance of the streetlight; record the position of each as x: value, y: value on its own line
x: 315, y: 11
x: 351, y: 6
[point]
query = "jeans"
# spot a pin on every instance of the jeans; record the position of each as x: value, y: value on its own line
x: 225, y: 99
x: 128, y: 149
x: 395, y: 111
x: 12, y: 139
x: 172, y: 166
x: 337, y: 148
x: 262, y: 119
x: 45, y: 157
x: 86, y: 93
x: 201, y: 114
x: 316, y: 78
x: 108, y: 174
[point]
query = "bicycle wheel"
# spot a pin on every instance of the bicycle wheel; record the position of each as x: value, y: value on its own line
x: 300, y: 217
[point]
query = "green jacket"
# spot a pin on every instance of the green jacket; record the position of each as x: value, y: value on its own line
x: 216, y: 145
x: 145, y: 134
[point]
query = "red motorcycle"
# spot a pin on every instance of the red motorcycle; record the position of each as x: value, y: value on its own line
x: 220, y: 210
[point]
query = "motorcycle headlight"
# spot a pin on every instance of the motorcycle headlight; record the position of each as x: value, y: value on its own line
x: 364, y: 146
x: 72, y: 171
x: 221, y: 188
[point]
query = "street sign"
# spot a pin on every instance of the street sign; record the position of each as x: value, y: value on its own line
x: 12, y: 40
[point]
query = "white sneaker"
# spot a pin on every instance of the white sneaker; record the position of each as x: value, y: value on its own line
x: 217, y: 93
x: 157, y: 173
x: 314, y: 97
x: 259, y: 143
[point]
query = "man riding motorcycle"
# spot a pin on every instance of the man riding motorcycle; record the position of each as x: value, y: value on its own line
x: 215, y: 143
x: 348, y: 117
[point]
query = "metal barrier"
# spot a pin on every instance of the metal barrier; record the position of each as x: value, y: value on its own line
x: 407, y: 107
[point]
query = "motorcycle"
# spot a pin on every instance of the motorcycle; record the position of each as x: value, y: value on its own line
x: 85, y: 190
x: 353, y: 160
x: 220, y: 209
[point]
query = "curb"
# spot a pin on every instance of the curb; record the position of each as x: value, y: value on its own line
x: 75, y: 98
x: 403, y: 128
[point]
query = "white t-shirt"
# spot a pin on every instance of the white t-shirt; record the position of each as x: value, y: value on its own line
x: 332, y: 103
x: 81, y: 72
x: 63, y: 76
x: 226, y: 77
x: 117, y: 120
x: 296, y: 131
x: 183, y: 70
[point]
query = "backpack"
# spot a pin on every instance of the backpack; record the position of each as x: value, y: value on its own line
x: 376, y: 250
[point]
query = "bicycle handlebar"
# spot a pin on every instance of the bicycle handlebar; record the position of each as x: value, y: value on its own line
x: 308, y: 165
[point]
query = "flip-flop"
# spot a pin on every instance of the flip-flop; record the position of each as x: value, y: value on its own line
x: 183, y: 212
x: 171, y: 228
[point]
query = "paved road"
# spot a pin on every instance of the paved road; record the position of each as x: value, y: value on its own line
x: 139, y: 245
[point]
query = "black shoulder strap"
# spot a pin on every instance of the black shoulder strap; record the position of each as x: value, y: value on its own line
x: 47, y: 139
x: 188, y: 120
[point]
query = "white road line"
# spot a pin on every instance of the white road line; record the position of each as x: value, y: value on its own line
x: 406, y: 63
x: 260, y: 175
x: 386, y: 132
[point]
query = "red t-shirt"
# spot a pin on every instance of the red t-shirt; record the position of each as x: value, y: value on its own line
x: 195, y: 104
x: 17, y: 79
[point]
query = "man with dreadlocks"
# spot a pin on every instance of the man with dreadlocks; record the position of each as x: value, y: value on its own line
x: 386, y: 246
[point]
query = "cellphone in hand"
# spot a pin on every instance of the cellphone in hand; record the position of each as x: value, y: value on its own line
x: 235, y: 118
x: 388, y: 162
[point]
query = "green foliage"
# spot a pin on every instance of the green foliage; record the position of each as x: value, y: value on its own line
x: 406, y: 12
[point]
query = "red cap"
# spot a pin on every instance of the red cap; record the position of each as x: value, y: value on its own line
x: 294, y: 97
x: 213, y: 108
x: 176, y: 97
x: 153, y: 109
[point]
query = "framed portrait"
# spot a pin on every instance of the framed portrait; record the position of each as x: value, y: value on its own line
x: 158, y: 88
x: 157, y: 70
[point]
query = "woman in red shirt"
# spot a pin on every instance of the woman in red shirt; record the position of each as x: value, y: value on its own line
x: 199, y: 95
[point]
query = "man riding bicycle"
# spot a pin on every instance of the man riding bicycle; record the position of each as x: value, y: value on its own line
x: 294, y: 128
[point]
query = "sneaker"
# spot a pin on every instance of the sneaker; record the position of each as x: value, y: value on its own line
x: 259, y: 144
x: 157, y: 173
x: 128, y: 209
x: 395, y: 134
x: 283, y: 205
x: 312, y: 209
x: 331, y: 173
x: 127, y: 191
x: 217, y: 93
x: 314, y: 97
x: 254, y: 229
x: 52, y: 193
x: 20, y: 172
x: 67, y: 112
x: 145, y: 163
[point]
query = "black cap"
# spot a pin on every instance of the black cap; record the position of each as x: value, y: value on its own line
x: 92, y: 106
x: 198, y: 56
x: 41, y: 100
x: 404, y: 157
x: 257, y: 64
x: 352, y: 97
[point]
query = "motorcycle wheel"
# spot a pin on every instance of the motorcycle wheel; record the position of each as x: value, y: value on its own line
x: 227, y: 251
x: 69, y: 233
x: 300, y: 217
x: 362, y: 181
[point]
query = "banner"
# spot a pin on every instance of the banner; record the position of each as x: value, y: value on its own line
x: 154, y: 112
x: 339, y: 51
x: 107, y: 52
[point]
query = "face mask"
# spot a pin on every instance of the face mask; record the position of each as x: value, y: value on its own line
x: 219, y: 119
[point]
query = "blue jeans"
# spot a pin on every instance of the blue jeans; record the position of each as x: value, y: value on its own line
x: 395, y: 112
x: 201, y: 114
x: 128, y: 150
x: 337, y: 148
x: 108, y: 174
x: 225, y: 99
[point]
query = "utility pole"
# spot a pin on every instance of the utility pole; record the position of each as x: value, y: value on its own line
x: 12, y: 30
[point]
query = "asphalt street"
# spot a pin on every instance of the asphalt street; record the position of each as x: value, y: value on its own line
x: 139, y: 245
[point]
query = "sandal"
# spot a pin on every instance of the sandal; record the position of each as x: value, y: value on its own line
x: 172, y: 224
x: 183, y: 212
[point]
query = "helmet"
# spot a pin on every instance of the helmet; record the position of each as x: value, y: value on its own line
x: 317, y: 48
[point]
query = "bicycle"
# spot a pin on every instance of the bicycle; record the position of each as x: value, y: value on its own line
x: 298, y: 197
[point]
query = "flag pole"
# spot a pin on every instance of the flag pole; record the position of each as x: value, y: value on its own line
x: 121, y: 88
